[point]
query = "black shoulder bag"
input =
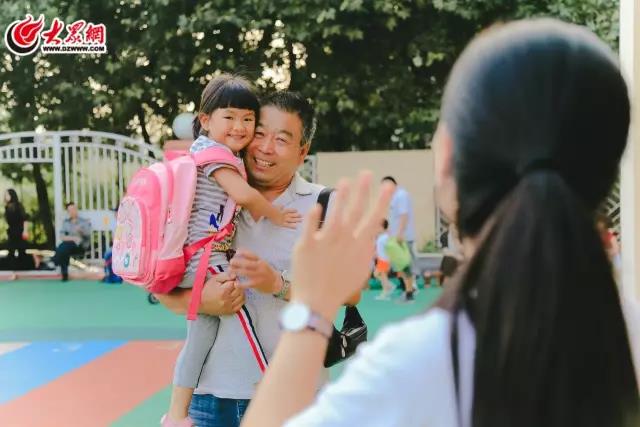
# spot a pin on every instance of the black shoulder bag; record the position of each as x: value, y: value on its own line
x: 343, y: 343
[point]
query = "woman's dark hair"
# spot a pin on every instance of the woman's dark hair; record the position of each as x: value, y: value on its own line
x: 539, y: 113
x: 13, y: 196
x: 226, y: 91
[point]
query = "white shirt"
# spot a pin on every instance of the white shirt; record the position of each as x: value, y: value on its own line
x: 401, y: 205
x: 381, y: 253
x: 403, y: 378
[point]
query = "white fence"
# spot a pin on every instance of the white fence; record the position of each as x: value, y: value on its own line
x: 89, y: 168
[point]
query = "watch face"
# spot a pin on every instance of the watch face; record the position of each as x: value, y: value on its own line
x: 295, y: 317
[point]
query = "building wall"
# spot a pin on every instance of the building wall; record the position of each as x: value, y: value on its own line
x: 412, y: 169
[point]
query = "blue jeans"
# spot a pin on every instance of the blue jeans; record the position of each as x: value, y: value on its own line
x: 206, y: 410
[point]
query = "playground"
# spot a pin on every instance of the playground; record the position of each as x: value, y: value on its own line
x: 103, y: 355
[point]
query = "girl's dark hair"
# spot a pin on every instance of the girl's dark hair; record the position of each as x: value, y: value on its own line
x: 539, y: 113
x: 13, y: 196
x: 226, y: 91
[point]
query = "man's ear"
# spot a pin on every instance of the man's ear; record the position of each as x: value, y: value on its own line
x: 304, y: 150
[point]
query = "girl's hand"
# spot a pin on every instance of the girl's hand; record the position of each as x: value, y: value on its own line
x: 289, y: 218
x: 332, y: 263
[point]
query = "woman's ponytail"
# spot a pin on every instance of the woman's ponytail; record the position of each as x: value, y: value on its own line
x: 552, y: 348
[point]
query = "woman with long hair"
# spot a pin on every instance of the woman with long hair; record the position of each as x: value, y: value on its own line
x: 15, y: 216
x: 530, y: 332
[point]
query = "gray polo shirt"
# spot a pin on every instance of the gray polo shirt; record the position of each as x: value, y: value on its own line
x: 81, y: 228
x: 230, y: 370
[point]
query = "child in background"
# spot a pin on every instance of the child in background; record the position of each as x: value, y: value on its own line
x: 228, y: 113
x: 383, y: 266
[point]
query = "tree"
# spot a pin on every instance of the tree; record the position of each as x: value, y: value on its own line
x: 374, y: 69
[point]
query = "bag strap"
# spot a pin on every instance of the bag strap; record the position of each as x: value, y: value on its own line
x: 219, y: 155
x: 323, y: 200
x: 351, y: 315
x: 198, y: 284
x: 456, y: 363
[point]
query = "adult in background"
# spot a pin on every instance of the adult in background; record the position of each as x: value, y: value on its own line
x: 402, y: 227
x: 75, y: 235
x: 15, y: 216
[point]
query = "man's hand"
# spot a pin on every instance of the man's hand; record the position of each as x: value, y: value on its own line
x: 220, y: 296
x: 258, y: 273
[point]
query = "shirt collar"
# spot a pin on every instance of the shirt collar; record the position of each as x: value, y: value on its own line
x: 298, y: 187
x: 301, y: 185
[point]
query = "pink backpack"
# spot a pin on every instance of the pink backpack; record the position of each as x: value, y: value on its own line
x: 149, y: 243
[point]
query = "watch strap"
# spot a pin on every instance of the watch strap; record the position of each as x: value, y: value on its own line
x: 321, y: 325
x: 284, y: 290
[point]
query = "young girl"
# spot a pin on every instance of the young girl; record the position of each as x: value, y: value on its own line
x: 227, y: 118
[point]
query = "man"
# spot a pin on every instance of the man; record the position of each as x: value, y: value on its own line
x: 228, y: 380
x: 401, y: 226
x: 75, y: 235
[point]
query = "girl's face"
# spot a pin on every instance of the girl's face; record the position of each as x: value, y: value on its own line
x: 7, y: 197
x: 233, y: 127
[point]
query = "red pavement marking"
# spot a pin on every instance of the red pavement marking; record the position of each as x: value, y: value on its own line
x: 99, y: 392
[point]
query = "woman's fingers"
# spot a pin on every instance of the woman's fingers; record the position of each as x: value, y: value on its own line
x: 370, y: 225
x: 335, y: 215
x: 311, y: 224
x: 358, y: 203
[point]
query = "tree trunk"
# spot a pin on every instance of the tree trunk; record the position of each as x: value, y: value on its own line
x: 44, y: 207
x: 143, y: 126
x: 293, y: 71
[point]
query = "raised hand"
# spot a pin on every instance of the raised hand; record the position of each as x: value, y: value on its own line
x: 331, y: 263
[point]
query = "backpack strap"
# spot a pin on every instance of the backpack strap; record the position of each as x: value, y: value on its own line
x: 323, y: 200
x: 219, y: 155
x: 222, y: 155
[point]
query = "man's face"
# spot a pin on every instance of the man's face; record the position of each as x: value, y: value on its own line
x: 275, y: 153
x: 72, y: 210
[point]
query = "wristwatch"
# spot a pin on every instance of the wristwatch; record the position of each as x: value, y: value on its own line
x: 286, y: 284
x: 296, y: 317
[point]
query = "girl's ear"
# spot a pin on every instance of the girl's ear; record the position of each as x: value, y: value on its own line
x: 204, y: 121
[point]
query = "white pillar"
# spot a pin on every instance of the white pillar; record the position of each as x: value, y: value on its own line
x: 57, y: 186
x: 630, y: 171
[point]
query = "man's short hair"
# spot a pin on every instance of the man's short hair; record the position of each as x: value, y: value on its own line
x: 389, y: 178
x: 69, y: 204
x: 294, y: 102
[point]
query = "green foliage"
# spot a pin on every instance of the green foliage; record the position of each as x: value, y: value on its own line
x: 374, y: 69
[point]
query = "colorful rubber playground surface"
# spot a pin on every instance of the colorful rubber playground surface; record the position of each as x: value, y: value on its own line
x: 83, y: 353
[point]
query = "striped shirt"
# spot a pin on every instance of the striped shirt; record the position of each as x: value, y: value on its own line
x: 207, y: 211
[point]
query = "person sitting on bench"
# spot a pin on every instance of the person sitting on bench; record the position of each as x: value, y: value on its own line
x: 75, y: 235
